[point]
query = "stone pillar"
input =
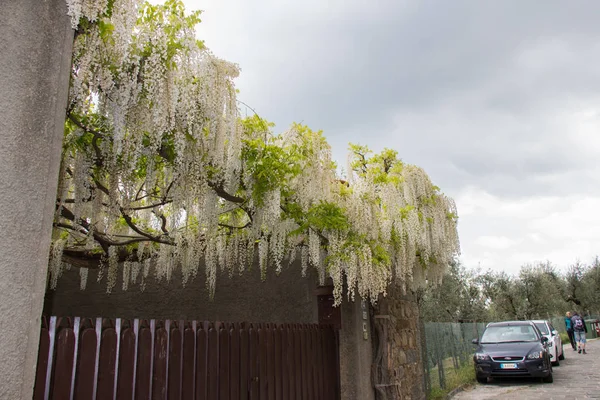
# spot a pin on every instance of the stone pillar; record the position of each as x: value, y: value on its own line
x: 398, y: 353
x: 34, y: 76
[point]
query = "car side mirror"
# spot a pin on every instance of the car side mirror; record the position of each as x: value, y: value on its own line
x: 544, y: 339
x: 475, y: 341
x: 555, y: 333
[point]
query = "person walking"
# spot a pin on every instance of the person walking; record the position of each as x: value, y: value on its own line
x: 569, y: 326
x: 579, y: 331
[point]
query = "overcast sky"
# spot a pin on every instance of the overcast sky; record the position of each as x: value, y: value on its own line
x: 497, y: 100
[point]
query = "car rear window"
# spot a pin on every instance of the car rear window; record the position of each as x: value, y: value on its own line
x: 509, y: 333
x: 542, y: 327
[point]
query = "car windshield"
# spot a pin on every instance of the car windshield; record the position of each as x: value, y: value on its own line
x: 542, y: 327
x: 509, y: 333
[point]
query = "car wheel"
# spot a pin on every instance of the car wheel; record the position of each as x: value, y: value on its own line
x: 562, y: 353
x: 548, y: 378
x: 481, y: 379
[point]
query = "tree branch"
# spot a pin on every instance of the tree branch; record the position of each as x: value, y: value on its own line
x: 235, y: 227
x: 97, y: 135
x: 163, y: 219
x: 137, y: 230
x: 224, y: 195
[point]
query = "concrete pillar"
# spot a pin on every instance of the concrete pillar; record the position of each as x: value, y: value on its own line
x: 356, y: 351
x: 35, y: 48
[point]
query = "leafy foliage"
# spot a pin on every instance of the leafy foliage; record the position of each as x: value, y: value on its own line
x: 538, y: 291
x: 159, y: 172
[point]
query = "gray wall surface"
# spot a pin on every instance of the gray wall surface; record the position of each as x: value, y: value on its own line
x: 35, y: 57
x: 280, y: 299
x: 356, y: 352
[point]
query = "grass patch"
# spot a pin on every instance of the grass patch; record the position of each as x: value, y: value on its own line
x: 455, y: 378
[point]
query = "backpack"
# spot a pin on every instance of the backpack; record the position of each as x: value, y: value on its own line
x: 578, y: 323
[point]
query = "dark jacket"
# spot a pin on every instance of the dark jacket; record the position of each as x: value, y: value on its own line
x: 573, y: 318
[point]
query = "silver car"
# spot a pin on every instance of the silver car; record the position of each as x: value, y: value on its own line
x: 555, y: 345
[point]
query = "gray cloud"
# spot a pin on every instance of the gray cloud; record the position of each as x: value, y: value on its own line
x: 501, y: 96
x: 490, y: 73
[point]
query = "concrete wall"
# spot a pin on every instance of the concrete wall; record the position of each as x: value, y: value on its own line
x: 35, y: 49
x: 284, y: 298
x: 356, y: 355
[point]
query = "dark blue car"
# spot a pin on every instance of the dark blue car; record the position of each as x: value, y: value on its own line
x: 512, y: 349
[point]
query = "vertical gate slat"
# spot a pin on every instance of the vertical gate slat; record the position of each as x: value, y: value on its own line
x: 76, y: 333
x: 51, y: 348
x: 136, y: 332
x: 63, y: 364
x: 213, y: 363
x: 333, y: 346
x: 289, y: 387
x: 316, y: 364
x: 254, y: 368
x: 308, y: 362
x: 262, y: 363
x: 159, y: 380
x: 270, y: 363
x: 42, y: 365
x: 106, y: 364
x: 98, y: 327
x: 224, y: 383
x: 321, y: 363
x: 117, y: 356
x: 332, y: 360
x: 298, y: 362
x: 201, y: 364
x: 279, y: 368
x: 306, y: 377
x: 327, y: 365
x: 144, y: 365
x: 234, y: 363
x: 285, y: 384
x: 244, y: 363
x: 86, y: 370
x: 126, y: 365
x: 188, y: 375
x: 174, y: 383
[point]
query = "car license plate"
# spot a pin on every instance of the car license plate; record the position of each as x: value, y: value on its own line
x: 508, y: 366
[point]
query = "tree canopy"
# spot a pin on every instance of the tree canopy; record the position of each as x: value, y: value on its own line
x: 539, y: 290
x: 160, y: 171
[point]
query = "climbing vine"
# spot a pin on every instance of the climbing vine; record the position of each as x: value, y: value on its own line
x: 159, y: 171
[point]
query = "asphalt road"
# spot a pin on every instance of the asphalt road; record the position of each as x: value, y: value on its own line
x: 577, y: 377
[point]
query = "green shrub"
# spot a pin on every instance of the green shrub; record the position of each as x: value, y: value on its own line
x: 565, y: 338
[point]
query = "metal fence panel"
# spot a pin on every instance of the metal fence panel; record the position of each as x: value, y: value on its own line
x: 110, y: 359
x: 448, y: 347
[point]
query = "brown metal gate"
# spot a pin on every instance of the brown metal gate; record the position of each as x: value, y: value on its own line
x: 139, y: 359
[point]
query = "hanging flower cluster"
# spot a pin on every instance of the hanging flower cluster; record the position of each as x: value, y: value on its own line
x: 159, y: 172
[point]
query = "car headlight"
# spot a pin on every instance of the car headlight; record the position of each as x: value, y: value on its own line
x: 481, y: 357
x: 535, y: 355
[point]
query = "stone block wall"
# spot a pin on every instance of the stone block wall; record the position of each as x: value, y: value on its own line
x: 397, y: 371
